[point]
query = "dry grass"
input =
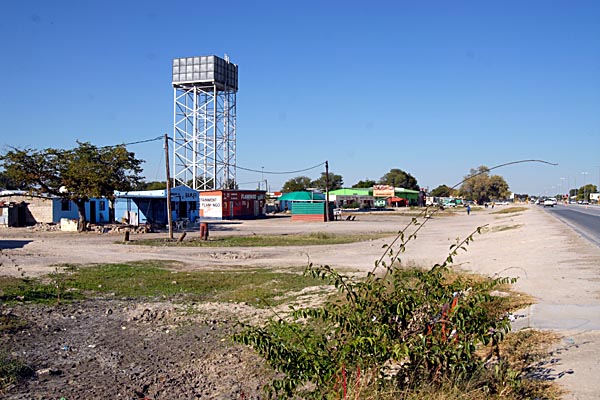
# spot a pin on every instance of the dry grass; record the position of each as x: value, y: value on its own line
x: 510, y: 210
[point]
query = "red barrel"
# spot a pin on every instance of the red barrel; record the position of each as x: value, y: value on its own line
x: 204, y: 231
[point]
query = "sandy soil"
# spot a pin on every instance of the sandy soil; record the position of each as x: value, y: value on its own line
x: 129, y: 350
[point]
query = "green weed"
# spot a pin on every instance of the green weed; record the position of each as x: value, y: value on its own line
x: 33, y: 290
x: 400, y: 329
x: 10, y: 371
x: 151, y: 279
x: 313, y: 239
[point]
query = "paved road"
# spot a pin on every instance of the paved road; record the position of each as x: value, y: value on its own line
x: 585, y: 220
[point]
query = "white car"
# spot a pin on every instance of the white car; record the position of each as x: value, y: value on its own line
x: 549, y: 202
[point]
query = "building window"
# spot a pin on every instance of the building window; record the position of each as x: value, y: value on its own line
x: 101, y: 205
x: 192, y: 205
x: 65, y: 205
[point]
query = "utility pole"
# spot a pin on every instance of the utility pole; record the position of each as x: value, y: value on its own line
x: 169, y: 215
x: 326, y: 191
x: 584, y: 188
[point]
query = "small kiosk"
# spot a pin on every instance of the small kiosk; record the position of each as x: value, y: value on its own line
x: 150, y: 206
x: 232, y: 204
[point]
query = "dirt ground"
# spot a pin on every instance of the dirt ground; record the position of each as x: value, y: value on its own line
x: 123, y: 349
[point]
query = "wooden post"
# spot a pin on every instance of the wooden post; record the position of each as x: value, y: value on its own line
x: 326, y: 191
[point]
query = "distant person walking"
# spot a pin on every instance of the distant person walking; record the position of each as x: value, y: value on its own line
x: 468, y: 209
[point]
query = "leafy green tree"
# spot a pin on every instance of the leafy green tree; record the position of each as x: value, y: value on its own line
x: 153, y: 185
x: 296, y: 184
x: 482, y: 187
x: 367, y: 183
x: 583, y: 193
x: 498, y: 187
x: 442, y: 191
x: 399, y: 178
x: 7, y: 183
x: 77, y: 174
x: 335, y: 182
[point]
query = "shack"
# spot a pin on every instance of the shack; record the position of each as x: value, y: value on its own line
x: 390, y: 196
x: 12, y: 214
x: 287, y: 200
x: 51, y: 209
x: 306, y: 206
x: 150, y: 206
x: 352, y: 198
x: 232, y: 204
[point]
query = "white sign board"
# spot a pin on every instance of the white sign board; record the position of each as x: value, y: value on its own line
x: 211, y: 207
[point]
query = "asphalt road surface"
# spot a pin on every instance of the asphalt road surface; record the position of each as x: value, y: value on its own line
x: 585, y: 220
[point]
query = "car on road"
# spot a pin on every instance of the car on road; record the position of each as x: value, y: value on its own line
x: 549, y: 202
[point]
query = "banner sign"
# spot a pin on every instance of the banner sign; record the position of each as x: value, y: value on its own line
x: 383, y: 191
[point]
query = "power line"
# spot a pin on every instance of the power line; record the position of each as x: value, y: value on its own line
x: 138, y: 142
x: 280, y: 172
x: 486, y: 170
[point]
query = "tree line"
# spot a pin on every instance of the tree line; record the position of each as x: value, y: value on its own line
x: 477, y: 185
x: 88, y: 171
x: 395, y: 177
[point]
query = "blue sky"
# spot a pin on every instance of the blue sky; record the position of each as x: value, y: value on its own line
x: 431, y: 87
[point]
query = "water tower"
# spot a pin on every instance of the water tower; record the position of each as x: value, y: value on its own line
x: 204, y: 131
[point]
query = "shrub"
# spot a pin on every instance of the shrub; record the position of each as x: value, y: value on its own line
x: 402, y: 328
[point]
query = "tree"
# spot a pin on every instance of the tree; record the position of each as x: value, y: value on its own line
x: 583, y: 193
x: 482, y: 187
x: 7, y: 183
x: 498, y: 188
x: 296, y: 184
x: 154, y: 185
x: 78, y: 174
x: 398, y: 178
x: 442, y: 191
x: 335, y: 181
x: 367, y: 183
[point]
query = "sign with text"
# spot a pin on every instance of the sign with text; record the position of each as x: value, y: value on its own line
x: 383, y: 191
x: 211, y: 207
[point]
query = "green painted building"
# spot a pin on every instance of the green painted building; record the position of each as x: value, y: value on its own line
x: 366, y: 198
x: 358, y: 197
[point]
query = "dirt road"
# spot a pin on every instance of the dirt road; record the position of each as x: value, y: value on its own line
x: 553, y: 264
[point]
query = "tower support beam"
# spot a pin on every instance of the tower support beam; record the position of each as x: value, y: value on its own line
x: 204, y: 128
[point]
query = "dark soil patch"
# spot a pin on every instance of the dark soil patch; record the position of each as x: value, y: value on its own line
x: 123, y: 350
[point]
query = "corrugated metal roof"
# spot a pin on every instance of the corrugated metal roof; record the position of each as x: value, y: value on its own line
x: 353, y: 192
x: 301, y: 196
